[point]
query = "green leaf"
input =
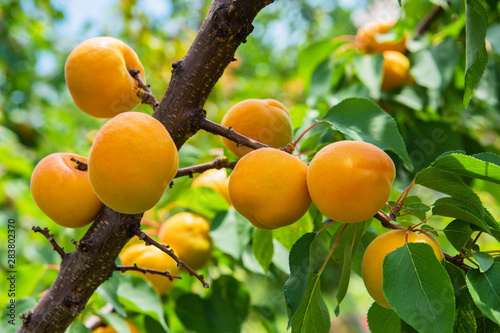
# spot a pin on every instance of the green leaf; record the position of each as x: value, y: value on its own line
x: 382, y: 320
x: 352, y: 235
x: 485, y: 290
x: 447, y: 183
x: 300, y: 268
x: 418, y: 207
x: 484, y: 166
x: 363, y: 120
x: 262, y: 246
x: 465, y: 320
x: 137, y: 295
x: 476, y: 55
x: 78, y: 327
x: 203, y: 200
x: 485, y: 325
x: 109, y: 292
x: 485, y: 260
x: 345, y: 277
x: 461, y: 210
x: 321, y: 80
x: 412, y: 272
x: 190, y: 308
x: 230, y: 232
x: 116, y: 321
x: 458, y: 233
x: 369, y: 70
x: 312, y: 315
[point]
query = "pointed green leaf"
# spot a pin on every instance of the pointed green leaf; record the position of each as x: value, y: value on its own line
x: 369, y: 70
x: 465, y: 320
x: 458, y: 233
x: 262, y: 246
x: 476, y: 55
x: 363, y: 120
x: 483, y: 166
x: 382, y: 320
x: 412, y: 272
x: 485, y: 325
x: 345, y: 277
x: 485, y: 260
x: 461, y: 210
x: 485, y: 290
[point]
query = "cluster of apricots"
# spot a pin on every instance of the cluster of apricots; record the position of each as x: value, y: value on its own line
x: 133, y: 159
x: 396, y: 66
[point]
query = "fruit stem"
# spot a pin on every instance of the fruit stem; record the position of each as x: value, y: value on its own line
x: 144, y: 93
x: 82, y: 166
x: 331, y: 250
x: 399, y: 203
x: 304, y: 133
x: 475, y: 240
x: 326, y: 226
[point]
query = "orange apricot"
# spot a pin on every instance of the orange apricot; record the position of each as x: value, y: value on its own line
x: 395, y: 70
x: 214, y: 179
x: 375, y: 253
x: 61, y: 189
x: 269, y: 188
x: 188, y: 235
x: 366, y: 38
x: 131, y: 162
x: 349, y: 181
x: 97, y: 76
x: 264, y: 120
x: 153, y: 258
x: 110, y: 329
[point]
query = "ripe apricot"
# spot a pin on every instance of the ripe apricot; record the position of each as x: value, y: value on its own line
x: 61, y: 189
x: 214, y: 179
x: 395, y: 70
x: 375, y: 253
x: 349, y: 181
x: 110, y: 329
x: 131, y: 162
x: 264, y: 120
x: 269, y: 188
x: 188, y: 235
x: 98, y: 79
x: 153, y: 258
x: 366, y: 38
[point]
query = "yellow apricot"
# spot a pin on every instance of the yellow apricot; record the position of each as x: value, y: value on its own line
x: 264, y: 120
x: 395, y: 71
x: 188, y: 235
x: 153, y: 258
x: 269, y: 188
x: 214, y: 179
x: 98, y: 79
x: 366, y: 38
x: 131, y: 162
x: 61, y: 189
x: 375, y: 253
x: 110, y: 329
x: 349, y: 181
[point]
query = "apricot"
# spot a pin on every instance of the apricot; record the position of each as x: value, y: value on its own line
x: 61, y: 189
x: 153, y: 258
x: 366, y: 38
x: 97, y: 76
x: 264, y: 120
x: 214, y: 179
x: 110, y: 329
x: 188, y: 235
x: 395, y: 70
x: 375, y: 253
x: 349, y: 181
x: 131, y: 162
x: 269, y: 188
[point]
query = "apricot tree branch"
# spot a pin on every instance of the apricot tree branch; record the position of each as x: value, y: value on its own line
x: 50, y: 238
x: 217, y: 163
x: 424, y: 24
x: 144, y: 93
x: 136, y: 268
x: 165, y: 248
x: 229, y: 133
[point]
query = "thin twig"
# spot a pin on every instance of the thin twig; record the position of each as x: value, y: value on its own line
x: 150, y: 241
x: 144, y: 93
x: 136, y: 268
x: 217, y: 163
x: 50, y: 238
x: 229, y: 133
x: 425, y: 23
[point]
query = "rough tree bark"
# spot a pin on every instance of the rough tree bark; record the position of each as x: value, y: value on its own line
x: 82, y: 271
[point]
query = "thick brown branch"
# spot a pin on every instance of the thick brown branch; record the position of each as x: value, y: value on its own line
x: 144, y: 93
x: 457, y: 261
x: 50, y: 238
x: 165, y: 248
x: 217, y: 163
x: 146, y: 270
